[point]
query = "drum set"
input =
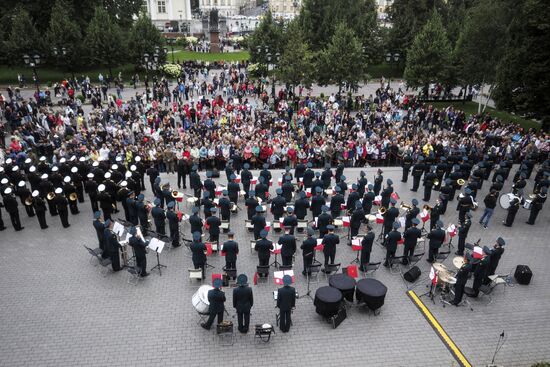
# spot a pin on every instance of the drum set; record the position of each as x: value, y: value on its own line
x: 443, y: 281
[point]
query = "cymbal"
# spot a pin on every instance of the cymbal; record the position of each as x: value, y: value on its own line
x: 439, y: 267
x: 446, y: 278
x: 458, y: 261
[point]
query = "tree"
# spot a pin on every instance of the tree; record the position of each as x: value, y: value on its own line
x: 144, y: 37
x: 104, y: 41
x: 343, y: 61
x: 296, y: 64
x: 268, y: 35
x: 522, y: 78
x: 23, y: 38
x: 63, y: 32
x: 429, y: 57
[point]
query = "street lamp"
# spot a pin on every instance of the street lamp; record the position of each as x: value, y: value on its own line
x: 33, y: 61
x: 392, y: 58
x: 171, y: 42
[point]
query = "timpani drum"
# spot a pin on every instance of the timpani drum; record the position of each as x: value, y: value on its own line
x: 200, y: 299
x: 371, y: 292
x: 327, y: 301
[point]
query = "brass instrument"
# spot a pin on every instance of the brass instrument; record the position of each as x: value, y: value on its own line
x: 28, y: 201
x: 427, y: 207
x: 50, y: 196
x: 405, y: 206
x: 73, y: 196
x: 436, y: 182
x: 382, y: 210
x: 532, y: 196
x: 175, y: 194
x: 460, y: 182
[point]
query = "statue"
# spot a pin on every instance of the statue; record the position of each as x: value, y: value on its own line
x: 214, y: 19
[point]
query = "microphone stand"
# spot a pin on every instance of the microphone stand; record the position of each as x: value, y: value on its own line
x: 500, y: 343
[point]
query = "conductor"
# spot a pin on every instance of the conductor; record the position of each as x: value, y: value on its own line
x: 243, y: 300
x: 286, y: 301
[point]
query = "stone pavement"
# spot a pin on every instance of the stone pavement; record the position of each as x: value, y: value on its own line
x: 57, y: 310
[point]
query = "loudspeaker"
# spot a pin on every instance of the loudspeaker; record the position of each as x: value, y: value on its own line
x: 337, y: 319
x: 215, y: 173
x: 412, y: 275
x: 523, y: 274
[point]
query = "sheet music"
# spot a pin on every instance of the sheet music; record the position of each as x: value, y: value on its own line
x: 156, y: 245
x: 118, y: 229
x: 140, y: 234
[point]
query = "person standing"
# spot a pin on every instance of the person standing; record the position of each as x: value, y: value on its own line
x: 410, y: 236
x: 140, y: 250
x: 391, y: 244
x: 100, y: 232
x: 263, y: 247
x: 461, y: 279
x: 159, y: 217
x: 463, y: 230
x: 286, y: 301
x: 216, y: 298
x: 112, y: 245
x: 436, y: 237
x: 173, y: 224
x: 329, y: 245
x: 490, y: 202
x: 231, y: 250
x: 494, y: 258
x: 39, y: 208
x: 512, y: 210
x: 366, y: 248
x: 243, y: 300
x: 258, y: 221
x: 288, y: 247
x: 308, y: 251
x: 10, y: 203
x: 198, y: 251
x: 536, y: 205
x: 61, y: 203
x: 213, y: 224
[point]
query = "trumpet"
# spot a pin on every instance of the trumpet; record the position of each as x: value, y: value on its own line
x: 73, y: 196
x: 50, y: 196
x: 405, y: 206
x: 28, y: 201
x: 382, y: 210
x: 460, y: 182
x: 427, y: 207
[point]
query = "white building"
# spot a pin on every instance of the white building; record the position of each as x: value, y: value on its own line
x: 225, y: 8
x: 167, y: 13
x: 286, y: 9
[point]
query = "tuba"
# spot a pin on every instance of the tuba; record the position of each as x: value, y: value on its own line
x: 404, y: 206
x: 460, y: 182
x: 28, y: 201
x: 73, y: 196
x: 50, y: 196
x: 382, y: 210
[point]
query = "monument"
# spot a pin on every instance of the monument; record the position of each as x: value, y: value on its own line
x: 214, y: 31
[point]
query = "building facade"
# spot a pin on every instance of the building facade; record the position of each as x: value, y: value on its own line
x: 287, y: 9
x: 169, y: 15
x: 226, y: 8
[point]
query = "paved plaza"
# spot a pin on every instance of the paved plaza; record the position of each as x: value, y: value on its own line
x: 57, y: 310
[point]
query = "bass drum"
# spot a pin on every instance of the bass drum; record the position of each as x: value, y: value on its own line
x: 505, y: 200
x: 200, y: 299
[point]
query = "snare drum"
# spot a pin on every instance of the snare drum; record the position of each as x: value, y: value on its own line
x: 200, y: 299
x: 527, y: 204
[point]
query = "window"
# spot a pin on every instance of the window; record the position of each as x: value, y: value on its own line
x: 161, y: 6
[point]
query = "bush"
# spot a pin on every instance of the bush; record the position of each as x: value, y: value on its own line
x: 81, y: 98
x: 171, y: 70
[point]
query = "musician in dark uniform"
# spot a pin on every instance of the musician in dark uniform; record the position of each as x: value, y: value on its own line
x: 261, y: 189
x: 233, y: 189
x: 173, y: 224
x: 536, y: 205
x: 112, y: 245
x: 213, y: 224
x: 436, y: 237
x: 231, y: 250
x: 132, y: 208
x: 512, y: 210
x: 243, y: 300
x: 100, y: 232
x: 417, y: 172
x: 461, y: 279
x: 411, y: 213
x: 159, y: 217
x: 463, y: 229
x: 494, y: 258
x: 157, y: 190
x: 40, y: 209
x: 216, y: 298
x: 429, y: 179
x: 326, y: 177
x: 195, y: 183
x: 266, y: 174
x: 378, y: 179
x: 389, y: 216
x: 24, y: 194
x: 308, y: 176
x: 105, y: 202
x: 366, y: 248
x: 198, y: 251
x: 167, y: 196
x: 225, y: 206
x: 299, y: 172
x: 10, y: 203
x: 317, y: 182
x: 70, y: 190
x: 286, y: 301
x: 140, y: 250
x: 290, y: 220
x: 308, y: 250
x: 357, y: 218
x: 263, y: 247
x: 335, y: 202
x: 480, y: 271
x: 208, y: 204
x: 391, y: 243
x: 386, y: 193
x: 251, y: 203
x: 353, y: 198
x: 61, y: 203
x: 153, y: 174
x: 142, y: 213
x: 301, y: 205
x: 410, y: 237
x: 407, y: 163
x: 362, y: 183
x: 288, y: 247
x: 288, y: 188
x: 323, y: 220
x: 455, y: 175
x: 343, y: 185
x: 278, y: 205
x: 183, y: 171
x: 368, y: 198
x: 246, y: 177
x: 330, y: 240
x: 465, y: 204
x: 90, y: 187
x: 317, y: 202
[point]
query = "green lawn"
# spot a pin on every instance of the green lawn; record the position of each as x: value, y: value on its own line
x: 210, y: 57
x: 470, y: 108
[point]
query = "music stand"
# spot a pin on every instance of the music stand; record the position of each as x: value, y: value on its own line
x: 157, y: 245
x: 276, y: 251
x: 308, y: 276
x: 357, y: 248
